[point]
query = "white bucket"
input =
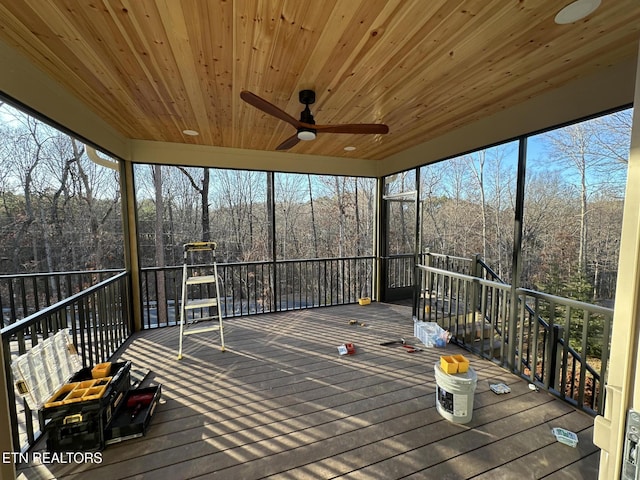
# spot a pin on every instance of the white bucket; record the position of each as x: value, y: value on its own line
x: 454, y: 394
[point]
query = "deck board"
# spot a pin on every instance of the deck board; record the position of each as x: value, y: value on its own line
x: 282, y: 403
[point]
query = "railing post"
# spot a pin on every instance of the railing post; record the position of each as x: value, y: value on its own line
x: 552, y: 366
x: 475, y: 292
x: 477, y: 266
x: 428, y: 262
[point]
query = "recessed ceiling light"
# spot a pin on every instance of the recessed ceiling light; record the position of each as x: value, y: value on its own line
x: 349, y: 149
x: 191, y: 133
x: 576, y: 11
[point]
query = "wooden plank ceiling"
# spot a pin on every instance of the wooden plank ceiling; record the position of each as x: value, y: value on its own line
x: 153, y: 68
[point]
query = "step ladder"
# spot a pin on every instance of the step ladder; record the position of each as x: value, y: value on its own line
x: 200, y: 308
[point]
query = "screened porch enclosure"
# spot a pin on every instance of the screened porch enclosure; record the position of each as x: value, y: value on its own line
x: 494, y: 202
x: 512, y: 248
x: 300, y: 241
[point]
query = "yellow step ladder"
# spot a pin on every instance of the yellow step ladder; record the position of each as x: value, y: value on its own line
x: 200, y: 308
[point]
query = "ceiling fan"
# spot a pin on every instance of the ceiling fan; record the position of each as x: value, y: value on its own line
x: 306, y: 127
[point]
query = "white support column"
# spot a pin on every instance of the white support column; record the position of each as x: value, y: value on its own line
x: 623, y: 388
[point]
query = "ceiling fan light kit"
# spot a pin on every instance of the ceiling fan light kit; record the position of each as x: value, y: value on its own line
x: 306, y: 135
x: 576, y: 11
x: 306, y: 128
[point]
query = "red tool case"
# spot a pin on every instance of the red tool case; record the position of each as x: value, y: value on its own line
x: 134, y: 417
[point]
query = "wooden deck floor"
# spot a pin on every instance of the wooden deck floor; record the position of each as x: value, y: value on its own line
x: 282, y: 403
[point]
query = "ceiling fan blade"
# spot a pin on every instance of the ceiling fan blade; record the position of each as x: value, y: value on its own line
x: 266, y: 107
x: 289, y: 142
x: 370, y: 128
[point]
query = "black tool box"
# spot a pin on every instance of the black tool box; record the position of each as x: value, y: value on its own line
x: 81, y: 432
x: 133, y: 419
x: 78, y: 423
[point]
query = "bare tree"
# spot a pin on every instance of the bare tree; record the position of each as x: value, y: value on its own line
x: 56, y: 199
x: 433, y: 234
x: 476, y: 164
x: 202, y: 187
x: 25, y: 155
x: 239, y: 220
x: 289, y: 211
x: 595, y: 153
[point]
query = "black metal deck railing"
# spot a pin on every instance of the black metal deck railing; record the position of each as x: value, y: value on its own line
x: 261, y: 287
x: 24, y: 294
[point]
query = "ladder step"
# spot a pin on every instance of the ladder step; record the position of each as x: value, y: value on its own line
x: 200, y: 303
x: 199, y: 246
x: 193, y: 331
x: 193, y: 321
x: 199, y: 280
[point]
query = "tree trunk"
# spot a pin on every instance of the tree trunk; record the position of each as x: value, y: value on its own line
x: 478, y: 172
x: 204, y: 200
x: 582, y: 255
x: 341, y: 215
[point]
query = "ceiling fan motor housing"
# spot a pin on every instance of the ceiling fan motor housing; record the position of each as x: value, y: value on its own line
x: 307, y: 97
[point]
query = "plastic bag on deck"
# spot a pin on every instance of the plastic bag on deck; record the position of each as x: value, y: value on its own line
x: 431, y: 334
